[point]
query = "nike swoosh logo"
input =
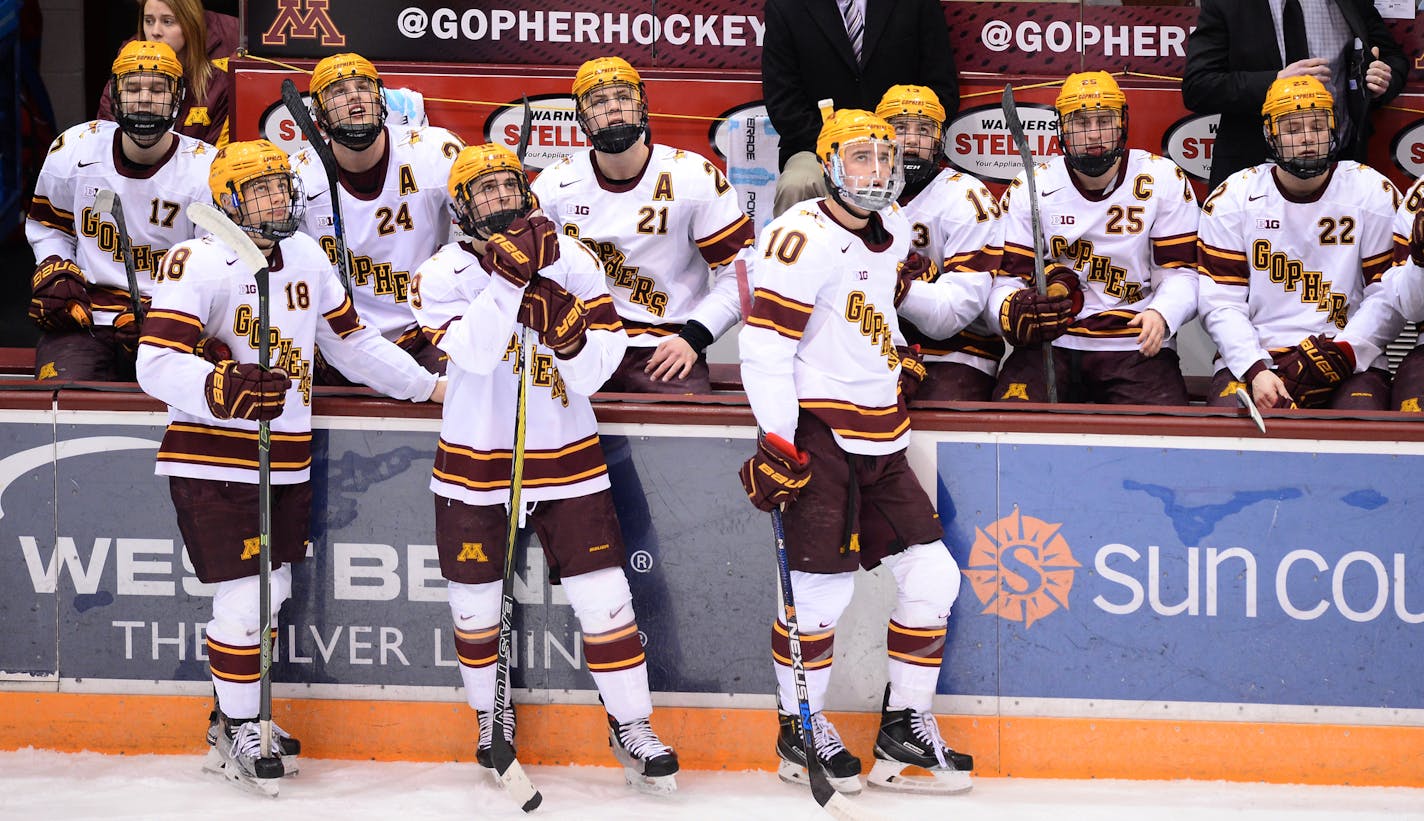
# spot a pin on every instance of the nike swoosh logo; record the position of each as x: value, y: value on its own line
x: 87, y: 164
x: 825, y: 624
x: 613, y: 614
x: 567, y: 184
x: 1051, y: 193
x: 1257, y: 197
x: 311, y: 197
x: 847, y: 248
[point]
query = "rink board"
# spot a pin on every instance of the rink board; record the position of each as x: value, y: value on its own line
x: 1190, y: 593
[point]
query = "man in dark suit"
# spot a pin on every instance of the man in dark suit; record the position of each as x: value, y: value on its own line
x: 808, y: 55
x: 1241, y: 46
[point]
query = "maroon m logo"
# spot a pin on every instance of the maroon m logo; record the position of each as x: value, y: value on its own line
x: 314, y: 22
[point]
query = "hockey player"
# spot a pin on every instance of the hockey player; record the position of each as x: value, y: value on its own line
x: 1119, y: 229
x: 821, y: 361
x: 394, y: 208
x: 81, y: 300
x: 209, y: 452
x: 659, y: 219
x: 1288, y: 251
x: 955, y: 223
x: 478, y: 301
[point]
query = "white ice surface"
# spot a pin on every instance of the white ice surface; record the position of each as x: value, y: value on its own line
x: 47, y: 785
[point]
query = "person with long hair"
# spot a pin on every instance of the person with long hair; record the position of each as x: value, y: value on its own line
x: 185, y: 27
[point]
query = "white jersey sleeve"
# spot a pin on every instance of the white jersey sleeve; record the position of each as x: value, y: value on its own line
x: 955, y: 221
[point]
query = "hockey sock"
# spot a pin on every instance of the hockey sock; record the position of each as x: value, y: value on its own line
x: 612, y: 647
x: 927, y: 583
x: 234, y: 658
x: 475, y: 609
x: 820, y: 598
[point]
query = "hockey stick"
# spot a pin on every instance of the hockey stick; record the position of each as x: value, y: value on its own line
x: 217, y: 223
x: 292, y: 99
x: 109, y: 203
x: 509, y: 771
x: 1245, y: 399
x: 523, y: 147
x: 1011, y: 116
x: 837, y: 805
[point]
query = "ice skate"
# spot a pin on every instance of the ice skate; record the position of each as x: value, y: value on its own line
x: 910, y: 755
x: 238, y: 756
x: 648, y: 763
x: 482, y: 753
x: 289, y: 747
x: 842, y: 769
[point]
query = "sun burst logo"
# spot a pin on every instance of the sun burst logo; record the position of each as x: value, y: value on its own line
x: 1021, y: 568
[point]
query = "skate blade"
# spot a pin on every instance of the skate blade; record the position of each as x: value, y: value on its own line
x: 213, y: 763
x: 650, y: 784
x: 267, y: 787
x: 893, y: 775
x: 793, y: 773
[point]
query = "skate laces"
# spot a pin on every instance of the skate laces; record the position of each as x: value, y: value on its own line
x: 926, y: 729
x: 247, y: 741
x: 638, y: 738
x: 825, y: 737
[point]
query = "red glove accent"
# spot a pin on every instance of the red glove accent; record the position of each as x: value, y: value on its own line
x: 559, y: 317
x: 212, y: 349
x: 1026, y: 318
x: 1312, y: 370
x: 522, y: 250
x: 912, y: 370
x: 776, y: 473
x: 916, y: 266
x: 127, y: 332
x: 246, y: 391
x: 1062, y: 282
x: 60, y: 301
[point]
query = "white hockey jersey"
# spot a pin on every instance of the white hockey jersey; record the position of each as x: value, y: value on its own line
x: 1276, y: 269
x: 204, y: 290
x: 473, y: 317
x: 62, y: 220
x: 1399, y: 299
x: 823, y: 329
x: 1133, y: 247
x: 657, y: 236
x: 388, y: 233
x: 955, y: 222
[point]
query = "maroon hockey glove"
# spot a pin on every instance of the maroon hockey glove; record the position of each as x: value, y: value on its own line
x: 912, y: 370
x: 126, y: 331
x: 212, y: 349
x: 246, y: 391
x: 60, y: 301
x: 1029, y: 319
x: 521, y: 250
x: 559, y: 317
x: 1312, y: 369
x: 776, y: 474
x: 1416, y: 239
x: 916, y: 266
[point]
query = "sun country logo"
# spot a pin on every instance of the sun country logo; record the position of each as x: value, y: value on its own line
x: 1021, y: 568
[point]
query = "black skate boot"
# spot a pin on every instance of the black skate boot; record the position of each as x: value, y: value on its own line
x: 239, y: 756
x: 908, y: 739
x: 289, y: 747
x: 486, y: 717
x: 648, y: 763
x: 842, y: 769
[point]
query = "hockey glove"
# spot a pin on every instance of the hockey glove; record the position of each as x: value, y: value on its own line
x: 776, y: 474
x: 246, y: 391
x: 1312, y: 369
x: 559, y: 317
x: 1416, y: 239
x: 126, y: 331
x: 912, y: 370
x: 1027, y: 318
x: 916, y: 266
x: 522, y: 249
x: 212, y: 349
x: 60, y: 301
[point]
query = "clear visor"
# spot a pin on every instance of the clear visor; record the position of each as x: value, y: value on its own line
x: 868, y: 173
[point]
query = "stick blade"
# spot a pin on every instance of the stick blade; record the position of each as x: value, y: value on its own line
x: 1245, y: 399
x: 215, y: 222
x: 104, y: 200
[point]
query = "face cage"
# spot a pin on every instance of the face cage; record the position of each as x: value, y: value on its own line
x: 919, y: 167
x: 1302, y: 167
x: 357, y: 137
x: 1090, y: 164
x: 237, y: 208
x: 866, y: 193
x: 144, y: 128
x: 614, y: 139
x: 468, y: 209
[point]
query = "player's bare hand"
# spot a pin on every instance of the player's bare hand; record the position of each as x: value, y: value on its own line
x: 1317, y: 67
x: 438, y: 395
x: 1270, y: 392
x: 1378, y: 75
x: 673, y: 359
x: 1153, y: 334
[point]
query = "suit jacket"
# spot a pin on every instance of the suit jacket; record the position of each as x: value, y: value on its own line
x: 807, y: 57
x: 1232, y: 59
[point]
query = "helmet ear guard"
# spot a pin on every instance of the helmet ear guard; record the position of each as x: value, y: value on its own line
x: 907, y: 107
x: 154, y: 58
x: 610, y: 138
x: 1293, y: 98
x: 236, y: 165
x: 1090, y: 92
x: 474, y: 163
x: 337, y: 68
x: 867, y: 189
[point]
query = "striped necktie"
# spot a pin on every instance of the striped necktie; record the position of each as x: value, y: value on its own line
x: 855, y: 25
